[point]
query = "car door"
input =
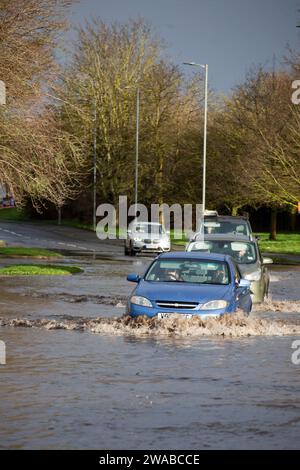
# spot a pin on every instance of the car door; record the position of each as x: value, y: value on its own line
x: 265, y: 278
x: 242, y: 294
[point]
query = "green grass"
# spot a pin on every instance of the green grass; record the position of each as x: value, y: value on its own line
x: 288, y: 243
x: 38, y: 270
x: 12, y: 214
x: 175, y: 238
x: 30, y: 252
x: 284, y: 261
x: 75, y: 223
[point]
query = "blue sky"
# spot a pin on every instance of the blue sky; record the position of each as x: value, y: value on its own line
x: 230, y: 35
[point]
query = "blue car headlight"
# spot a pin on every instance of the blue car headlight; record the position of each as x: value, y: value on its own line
x: 142, y: 301
x: 214, y: 305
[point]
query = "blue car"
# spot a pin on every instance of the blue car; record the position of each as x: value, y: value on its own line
x: 187, y: 284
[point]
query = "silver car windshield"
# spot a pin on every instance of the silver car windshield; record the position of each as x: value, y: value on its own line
x: 229, y: 227
x: 189, y: 271
x: 145, y: 228
x: 241, y: 252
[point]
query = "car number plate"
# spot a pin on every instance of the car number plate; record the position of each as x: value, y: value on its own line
x: 174, y: 316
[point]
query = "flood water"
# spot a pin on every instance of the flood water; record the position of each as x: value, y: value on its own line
x: 79, y: 377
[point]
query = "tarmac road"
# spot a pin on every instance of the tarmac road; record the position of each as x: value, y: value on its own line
x: 54, y: 237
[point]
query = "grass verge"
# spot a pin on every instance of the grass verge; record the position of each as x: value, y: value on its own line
x: 76, y: 224
x: 12, y: 213
x: 288, y: 243
x: 39, y: 270
x: 18, y: 251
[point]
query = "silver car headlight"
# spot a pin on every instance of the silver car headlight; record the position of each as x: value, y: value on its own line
x: 255, y: 276
x: 137, y: 239
x: 138, y: 300
x: 214, y: 305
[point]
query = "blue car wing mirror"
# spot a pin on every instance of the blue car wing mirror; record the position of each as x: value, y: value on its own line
x: 133, y: 277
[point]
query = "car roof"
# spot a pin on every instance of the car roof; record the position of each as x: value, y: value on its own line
x: 225, y: 237
x: 194, y: 255
x: 229, y: 218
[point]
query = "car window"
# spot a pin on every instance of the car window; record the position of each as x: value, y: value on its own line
x: 145, y: 228
x: 241, y: 252
x: 189, y: 271
x: 229, y: 226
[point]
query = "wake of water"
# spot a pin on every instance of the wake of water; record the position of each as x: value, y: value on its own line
x: 231, y: 325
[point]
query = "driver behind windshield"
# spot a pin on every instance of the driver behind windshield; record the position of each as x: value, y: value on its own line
x: 242, y: 255
x: 172, y: 274
x: 219, y: 276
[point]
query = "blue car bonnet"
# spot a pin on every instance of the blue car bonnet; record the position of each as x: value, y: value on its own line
x: 181, y: 292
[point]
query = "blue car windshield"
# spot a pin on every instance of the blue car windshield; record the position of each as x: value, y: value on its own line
x: 189, y: 271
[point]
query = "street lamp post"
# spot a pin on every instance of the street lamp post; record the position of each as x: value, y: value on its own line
x: 137, y: 133
x: 2, y: 93
x: 205, y: 66
x: 95, y: 166
x: 137, y: 146
x: 3, y: 103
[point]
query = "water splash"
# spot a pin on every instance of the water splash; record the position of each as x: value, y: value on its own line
x: 119, y: 301
x: 234, y: 326
x: 283, y: 306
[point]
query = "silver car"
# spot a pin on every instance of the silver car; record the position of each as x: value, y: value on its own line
x: 246, y: 254
x: 148, y: 237
x: 213, y: 224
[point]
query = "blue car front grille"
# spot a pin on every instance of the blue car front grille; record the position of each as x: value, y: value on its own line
x: 177, y: 305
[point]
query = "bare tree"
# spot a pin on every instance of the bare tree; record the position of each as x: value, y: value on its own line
x: 110, y: 62
x: 261, y: 115
x: 38, y: 159
x: 29, y: 34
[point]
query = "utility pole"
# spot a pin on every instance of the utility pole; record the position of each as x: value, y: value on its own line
x: 59, y: 215
x: 204, y: 66
x: 95, y: 166
x: 137, y: 146
x: 2, y: 93
x: 205, y: 140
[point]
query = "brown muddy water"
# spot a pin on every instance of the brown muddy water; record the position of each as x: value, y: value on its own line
x: 81, y: 375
